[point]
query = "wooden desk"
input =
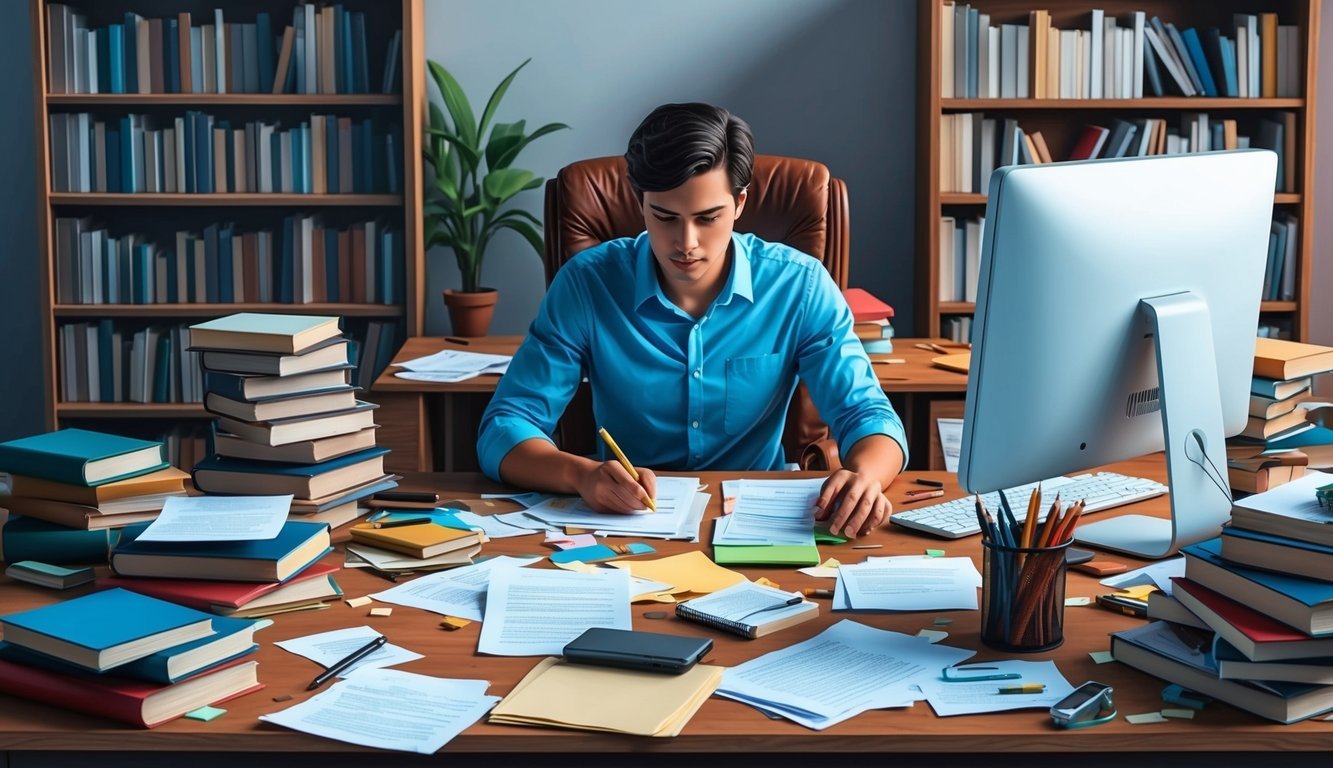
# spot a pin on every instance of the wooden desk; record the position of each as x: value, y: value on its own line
x: 429, y: 424
x: 722, y: 725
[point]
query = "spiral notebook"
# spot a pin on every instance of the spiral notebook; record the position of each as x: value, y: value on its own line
x: 748, y: 609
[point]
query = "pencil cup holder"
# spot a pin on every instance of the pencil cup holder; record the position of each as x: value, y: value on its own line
x: 1023, y: 597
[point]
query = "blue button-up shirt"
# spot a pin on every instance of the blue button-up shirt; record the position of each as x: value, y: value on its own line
x: 678, y: 392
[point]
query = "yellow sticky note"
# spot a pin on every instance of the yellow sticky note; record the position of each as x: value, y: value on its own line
x: 767, y: 582
x: 357, y: 602
x: 832, y: 562
x: 1140, y: 592
x: 452, y: 623
x: 690, y: 572
x: 381, y: 611
x: 1102, y: 657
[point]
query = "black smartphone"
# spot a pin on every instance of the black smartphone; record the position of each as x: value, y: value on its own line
x: 629, y: 649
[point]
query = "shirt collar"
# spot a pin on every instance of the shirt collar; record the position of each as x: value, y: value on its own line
x: 647, y: 286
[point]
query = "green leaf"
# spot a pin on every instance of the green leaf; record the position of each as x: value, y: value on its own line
x: 529, y: 233
x: 466, y: 151
x: 502, y: 184
x: 456, y: 102
x: 503, y: 138
x: 534, y: 184
x: 510, y: 156
x: 518, y: 213
x: 494, y: 102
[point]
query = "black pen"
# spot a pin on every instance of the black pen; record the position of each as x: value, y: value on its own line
x: 929, y: 483
x: 341, y: 666
x: 400, y: 523
x: 414, y: 496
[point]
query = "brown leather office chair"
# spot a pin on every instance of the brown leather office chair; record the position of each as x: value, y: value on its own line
x: 791, y: 201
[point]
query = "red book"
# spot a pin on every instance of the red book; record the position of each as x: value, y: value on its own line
x: 1089, y: 143
x: 215, y: 596
x: 136, y: 702
x: 1254, y: 634
x: 866, y: 307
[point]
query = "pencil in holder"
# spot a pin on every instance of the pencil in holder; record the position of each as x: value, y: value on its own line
x: 1023, y: 597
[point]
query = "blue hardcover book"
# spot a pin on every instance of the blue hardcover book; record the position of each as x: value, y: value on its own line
x: 131, y: 58
x: 162, y: 371
x: 331, y: 150
x: 106, y: 374
x: 115, y: 38
x: 246, y: 466
x: 128, y: 180
x: 188, y: 139
x: 296, y: 547
x: 1152, y: 70
x: 203, y: 153
x: 360, y: 54
x: 103, y: 40
x: 1277, y: 541
x: 384, y: 264
x: 173, y: 279
x: 143, y: 274
x: 231, y: 639
x: 264, y: 52
x: 393, y: 145
x: 80, y: 457
x: 342, y: 83
x: 212, y: 264
x: 1173, y: 39
x: 27, y: 538
x: 1305, y: 604
x: 1195, y: 49
x: 226, y: 263
x: 331, y: 282
x: 1229, y: 67
x: 1310, y: 437
x: 298, y: 160
x: 973, y: 22
x: 106, y: 629
x: 389, y: 83
x: 113, y: 183
x: 366, y: 146
x: 228, y: 156
x: 171, y: 56
x: 275, y: 162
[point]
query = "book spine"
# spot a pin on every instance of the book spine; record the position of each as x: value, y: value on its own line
x: 55, y: 544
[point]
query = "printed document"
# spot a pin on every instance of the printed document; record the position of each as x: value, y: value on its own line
x: 910, y: 584
x: 329, y: 648
x: 951, y: 441
x: 491, y: 525
x: 956, y: 697
x: 460, y: 592
x: 537, y: 612
x: 839, y: 673
x: 675, y: 504
x: 453, y: 362
x: 219, y: 518
x: 774, y: 512
x: 391, y: 709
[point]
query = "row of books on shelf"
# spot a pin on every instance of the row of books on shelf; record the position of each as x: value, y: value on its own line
x: 972, y: 145
x: 324, y: 50
x: 306, y: 260
x: 1106, y: 60
x: 199, y: 153
x: 957, y: 328
x: 101, y: 362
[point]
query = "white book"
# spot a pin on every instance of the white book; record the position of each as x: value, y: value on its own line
x: 92, y: 61
x: 83, y: 135
x: 94, y: 364
x: 1242, y: 62
x: 311, y: 71
x: 1068, y: 63
x: 143, y: 49
x: 1126, y: 63
x: 1096, y: 55
x: 1084, y: 64
x: 947, y: 278
x: 1137, y: 55
x: 946, y: 51
x: 1009, y: 61
x: 993, y: 63
x: 1110, y: 58
x: 179, y: 150
x: 1024, y: 77
x: 220, y: 50
x: 80, y: 55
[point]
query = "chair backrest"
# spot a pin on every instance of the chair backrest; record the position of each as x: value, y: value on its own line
x: 791, y: 201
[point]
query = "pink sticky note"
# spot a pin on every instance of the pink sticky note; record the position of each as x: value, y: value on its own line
x: 567, y: 541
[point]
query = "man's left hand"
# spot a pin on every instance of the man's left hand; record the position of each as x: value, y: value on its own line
x: 853, y: 504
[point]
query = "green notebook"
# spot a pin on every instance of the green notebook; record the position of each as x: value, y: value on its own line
x: 766, y: 554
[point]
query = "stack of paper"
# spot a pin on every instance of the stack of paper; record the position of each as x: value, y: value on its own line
x: 537, y: 612
x: 591, y: 698
x: 907, y: 583
x: 452, y: 365
x: 839, y: 673
x: 460, y: 592
x: 680, y: 509
x: 772, y: 523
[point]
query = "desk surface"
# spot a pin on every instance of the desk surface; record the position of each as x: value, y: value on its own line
x: 914, y: 374
x: 721, y: 725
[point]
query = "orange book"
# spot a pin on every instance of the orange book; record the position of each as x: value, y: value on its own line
x: 183, y: 46
x: 284, y: 60
x: 168, y: 480
x: 1268, y: 51
x: 421, y: 540
x: 1280, y: 359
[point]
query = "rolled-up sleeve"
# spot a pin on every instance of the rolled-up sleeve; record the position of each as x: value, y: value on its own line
x: 543, y: 375
x: 833, y: 364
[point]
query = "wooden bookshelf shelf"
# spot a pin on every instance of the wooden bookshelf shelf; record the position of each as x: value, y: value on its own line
x: 221, y: 199
x: 1196, y: 104
x: 968, y: 198
x: 132, y: 411
x: 214, y: 310
x: 225, y: 99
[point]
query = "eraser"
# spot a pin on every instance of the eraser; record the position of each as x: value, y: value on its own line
x: 1101, y: 567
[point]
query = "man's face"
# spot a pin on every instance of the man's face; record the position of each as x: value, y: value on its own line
x: 690, y: 231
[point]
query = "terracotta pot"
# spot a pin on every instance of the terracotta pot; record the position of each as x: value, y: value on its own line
x: 470, y: 313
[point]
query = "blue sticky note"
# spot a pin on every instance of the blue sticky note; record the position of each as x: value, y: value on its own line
x: 640, y: 549
x: 584, y: 554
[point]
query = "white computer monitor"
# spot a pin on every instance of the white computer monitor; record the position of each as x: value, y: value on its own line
x: 1116, y: 314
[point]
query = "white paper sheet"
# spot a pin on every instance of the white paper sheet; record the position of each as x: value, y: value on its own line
x: 329, y: 648
x: 391, y: 709
x: 912, y: 584
x: 219, y: 518
x: 949, y: 698
x: 458, y: 361
x: 492, y: 525
x: 675, y: 498
x: 1295, y: 499
x: 525, y: 499
x: 460, y: 592
x: 839, y: 673
x: 951, y: 441
x: 537, y: 612
x: 777, y: 511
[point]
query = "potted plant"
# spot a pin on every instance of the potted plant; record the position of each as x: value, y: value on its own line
x: 463, y: 202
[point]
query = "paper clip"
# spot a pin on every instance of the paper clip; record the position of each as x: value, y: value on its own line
x: 971, y: 674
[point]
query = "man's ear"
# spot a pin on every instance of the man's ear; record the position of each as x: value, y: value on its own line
x: 740, y: 200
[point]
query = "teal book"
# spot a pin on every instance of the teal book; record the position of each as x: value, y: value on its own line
x: 27, y: 538
x: 106, y: 629
x: 229, y: 475
x: 1302, y: 603
x: 231, y: 640
x: 81, y: 457
x: 296, y: 546
x: 258, y: 332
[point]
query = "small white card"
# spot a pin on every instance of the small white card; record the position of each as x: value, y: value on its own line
x: 219, y: 518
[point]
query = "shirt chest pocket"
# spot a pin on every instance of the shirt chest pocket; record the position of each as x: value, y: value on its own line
x: 753, y: 386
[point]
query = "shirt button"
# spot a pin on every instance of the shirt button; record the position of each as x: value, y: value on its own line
x: 696, y: 326
x: 694, y: 424
x: 697, y: 374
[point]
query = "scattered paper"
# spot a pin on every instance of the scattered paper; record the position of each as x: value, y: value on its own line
x: 219, y: 518
x: 460, y: 592
x: 492, y: 525
x: 950, y: 698
x: 825, y: 570
x: 951, y: 441
x: 524, y: 499
x: 391, y: 709
x: 773, y: 512
x: 933, y: 635
x: 1183, y: 714
x: 923, y: 584
x: 1146, y: 717
x: 1102, y: 657
x: 676, y: 515
x: 456, y: 362
x: 537, y: 612
x: 329, y: 648
x: 1158, y: 574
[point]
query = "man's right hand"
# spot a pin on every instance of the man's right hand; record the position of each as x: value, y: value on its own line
x: 608, y: 487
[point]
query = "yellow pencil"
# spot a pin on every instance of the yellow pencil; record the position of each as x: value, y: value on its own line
x: 624, y: 462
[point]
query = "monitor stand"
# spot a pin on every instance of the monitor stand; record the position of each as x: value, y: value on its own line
x: 1192, y: 426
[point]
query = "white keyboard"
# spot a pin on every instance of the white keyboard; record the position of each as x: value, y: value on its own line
x: 957, y: 518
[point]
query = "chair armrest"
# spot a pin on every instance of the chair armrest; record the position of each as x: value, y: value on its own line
x: 821, y: 456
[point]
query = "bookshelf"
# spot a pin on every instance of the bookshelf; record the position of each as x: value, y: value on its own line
x: 155, y: 217
x: 1061, y: 120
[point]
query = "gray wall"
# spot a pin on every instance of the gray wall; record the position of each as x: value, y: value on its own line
x: 1321, y: 311
x: 830, y: 80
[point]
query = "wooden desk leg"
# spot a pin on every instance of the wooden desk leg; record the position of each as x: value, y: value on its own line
x: 405, y: 430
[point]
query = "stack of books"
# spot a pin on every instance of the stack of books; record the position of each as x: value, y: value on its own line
x: 1279, y: 441
x: 68, y: 483
x: 1251, y: 622
x: 406, y: 542
x: 288, y: 418
x: 126, y: 656
x: 872, y: 320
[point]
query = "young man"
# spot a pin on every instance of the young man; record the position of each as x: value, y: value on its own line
x: 692, y: 337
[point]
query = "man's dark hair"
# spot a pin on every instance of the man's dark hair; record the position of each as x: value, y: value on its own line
x: 678, y: 141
